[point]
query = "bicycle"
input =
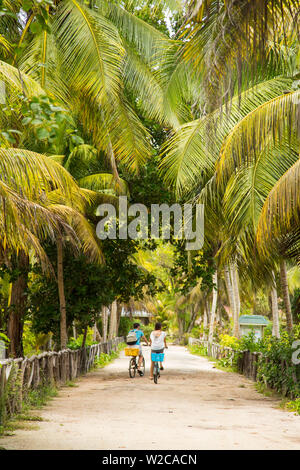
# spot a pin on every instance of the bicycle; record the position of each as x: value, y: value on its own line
x: 133, y: 367
x: 156, y: 358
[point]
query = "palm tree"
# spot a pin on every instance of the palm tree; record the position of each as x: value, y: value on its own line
x: 92, y: 59
x: 229, y: 42
x: 29, y: 216
x: 230, y: 156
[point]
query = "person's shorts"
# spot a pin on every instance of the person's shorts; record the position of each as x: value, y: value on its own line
x: 140, y: 348
x: 159, y: 351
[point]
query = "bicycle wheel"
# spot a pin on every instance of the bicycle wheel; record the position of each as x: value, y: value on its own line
x: 156, y: 372
x: 132, y: 367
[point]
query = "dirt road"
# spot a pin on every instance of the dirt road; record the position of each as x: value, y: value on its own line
x: 194, y: 406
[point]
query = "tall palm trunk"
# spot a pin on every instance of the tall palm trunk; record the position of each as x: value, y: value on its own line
x: 113, y: 320
x: 180, y: 322
x: 104, y: 323
x: 213, y: 307
x: 286, y: 296
x: 230, y: 292
x: 275, y: 313
x: 237, y: 302
x: 206, y: 318
x: 96, y: 334
x: 119, y: 312
x: 61, y: 294
x: 17, y: 308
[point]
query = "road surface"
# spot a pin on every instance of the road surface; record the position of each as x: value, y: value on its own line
x: 194, y: 406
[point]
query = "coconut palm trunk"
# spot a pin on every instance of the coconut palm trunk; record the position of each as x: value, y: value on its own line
x: 96, y: 333
x: 119, y: 312
x: 213, y: 307
x: 104, y: 323
x: 275, y: 313
x: 113, y: 320
x: 61, y: 294
x: 237, y: 302
x: 230, y: 292
x: 286, y: 296
x: 180, y: 321
x: 17, y: 308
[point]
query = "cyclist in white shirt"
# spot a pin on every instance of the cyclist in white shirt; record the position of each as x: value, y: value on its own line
x: 157, y: 343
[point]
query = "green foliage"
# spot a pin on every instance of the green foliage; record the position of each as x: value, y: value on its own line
x: 104, y: 359
x: 198, y: 350
x: 124, y: 326
x: 36, y: 398
x: 293, y: 406
x: 275, y: 368
x: 4, y: 338
x: 8, y: 404
x: 147, y: 329
x: 77, y: 343
x: 226, y: 363
x: 88, y: 286
x: 229, y: 341
x: 187, y: 270
x: 33, y: 343
x: 51, y: 126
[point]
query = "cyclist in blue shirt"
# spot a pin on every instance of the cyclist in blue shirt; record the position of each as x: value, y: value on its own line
x: 140, y: 336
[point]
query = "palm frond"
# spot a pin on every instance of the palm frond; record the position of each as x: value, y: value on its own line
x: 90, y: 48
x: 251, y: 135
x: 104, y: 183
x: 195, y: 146
x: 85, y: 232
x: 33, y: 174
x: 281, y: 209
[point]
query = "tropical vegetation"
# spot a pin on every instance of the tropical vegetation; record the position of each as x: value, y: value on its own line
x: 162, y: 102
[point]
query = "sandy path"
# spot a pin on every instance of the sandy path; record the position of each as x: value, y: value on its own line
x: 204, y: 408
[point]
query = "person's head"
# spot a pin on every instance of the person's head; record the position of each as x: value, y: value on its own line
x: 136, y: 326
x: 158, y: 326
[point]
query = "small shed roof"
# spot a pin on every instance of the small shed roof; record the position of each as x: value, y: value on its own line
x: 253, y: 320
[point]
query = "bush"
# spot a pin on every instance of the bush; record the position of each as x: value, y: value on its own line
x: 104, y: 359
x: 275, y: 367
x: 229, y: 342
x: 77, y: 343
x: 198, y: 350
x: 294, y: 406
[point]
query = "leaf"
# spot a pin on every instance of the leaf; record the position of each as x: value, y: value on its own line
x: 36, y: 27
x: 42, y: 133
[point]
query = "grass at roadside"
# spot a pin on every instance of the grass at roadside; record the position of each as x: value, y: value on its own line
x: 35, y: 399
x: 221, y: 364
x: 291, y: 405
x: 106, y: 359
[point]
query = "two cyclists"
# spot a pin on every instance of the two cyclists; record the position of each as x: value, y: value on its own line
x: 157, y: 343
